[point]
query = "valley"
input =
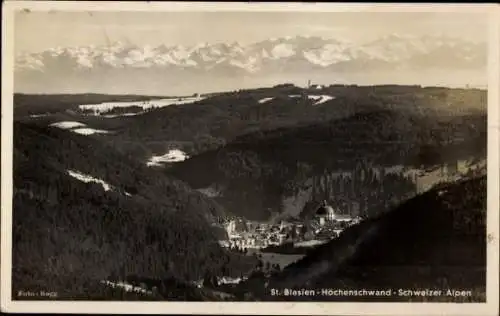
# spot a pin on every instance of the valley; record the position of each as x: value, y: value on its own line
x: 207, y: 156
x: 211, y: 196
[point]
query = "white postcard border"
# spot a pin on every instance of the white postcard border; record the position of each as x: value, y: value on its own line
x: 247, y: 308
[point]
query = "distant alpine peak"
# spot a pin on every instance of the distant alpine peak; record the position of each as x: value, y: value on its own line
x: 120, y: 45
x: 276, y: 56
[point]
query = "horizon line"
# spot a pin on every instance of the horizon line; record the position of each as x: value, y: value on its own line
x: 481, y: 87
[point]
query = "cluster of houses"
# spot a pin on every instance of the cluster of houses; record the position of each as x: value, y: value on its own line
x: 254, y: 235
x: 326, y: 224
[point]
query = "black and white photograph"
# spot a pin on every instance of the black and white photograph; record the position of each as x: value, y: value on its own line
x: 247, y: 153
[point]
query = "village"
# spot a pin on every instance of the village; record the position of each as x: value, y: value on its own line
x: 328, y: 222
x: 252, y: 237
x: 325, y: 225
x: 282, y: 242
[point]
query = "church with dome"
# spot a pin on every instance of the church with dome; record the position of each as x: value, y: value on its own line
x: 326, y: 213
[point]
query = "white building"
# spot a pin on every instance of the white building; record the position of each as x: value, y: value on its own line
x: 342, y: 218
x: 326, y: 213
x: 230, y: 228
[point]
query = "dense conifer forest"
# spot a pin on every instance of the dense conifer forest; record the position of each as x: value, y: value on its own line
x: 153, y: 225
x: 69, y: 234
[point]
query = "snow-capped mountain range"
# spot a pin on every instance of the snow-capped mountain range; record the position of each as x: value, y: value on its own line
x: 122, y: 66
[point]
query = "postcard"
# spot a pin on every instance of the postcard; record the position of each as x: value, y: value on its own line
x: 250, y: 158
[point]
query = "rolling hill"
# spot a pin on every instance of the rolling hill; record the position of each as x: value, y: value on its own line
x: 219, y: 118
x: 27, y: 104
x: 270, y: 142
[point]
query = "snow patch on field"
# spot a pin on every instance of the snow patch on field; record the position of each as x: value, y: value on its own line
x: 67, y: 124
x: 264, y: 100
x: 104, y: 107
x: 174, y: 155
x: 89, y: 131
x: 119, y: 115
x: 320, y: 98
x: 229, y: 280
x: 77, y: 127
x: 126, y: 286
x: 87, y: 179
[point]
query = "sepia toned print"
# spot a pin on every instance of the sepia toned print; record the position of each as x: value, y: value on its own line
x: 236, y: 155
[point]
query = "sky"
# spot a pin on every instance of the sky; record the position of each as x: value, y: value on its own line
x: 36, y: 31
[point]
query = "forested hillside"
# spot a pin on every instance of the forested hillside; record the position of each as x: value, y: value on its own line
x: 258, y: 147
x: 220, y: 118
x: 436, y: 241
x: 69, y: 234
x: 257, y: 170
